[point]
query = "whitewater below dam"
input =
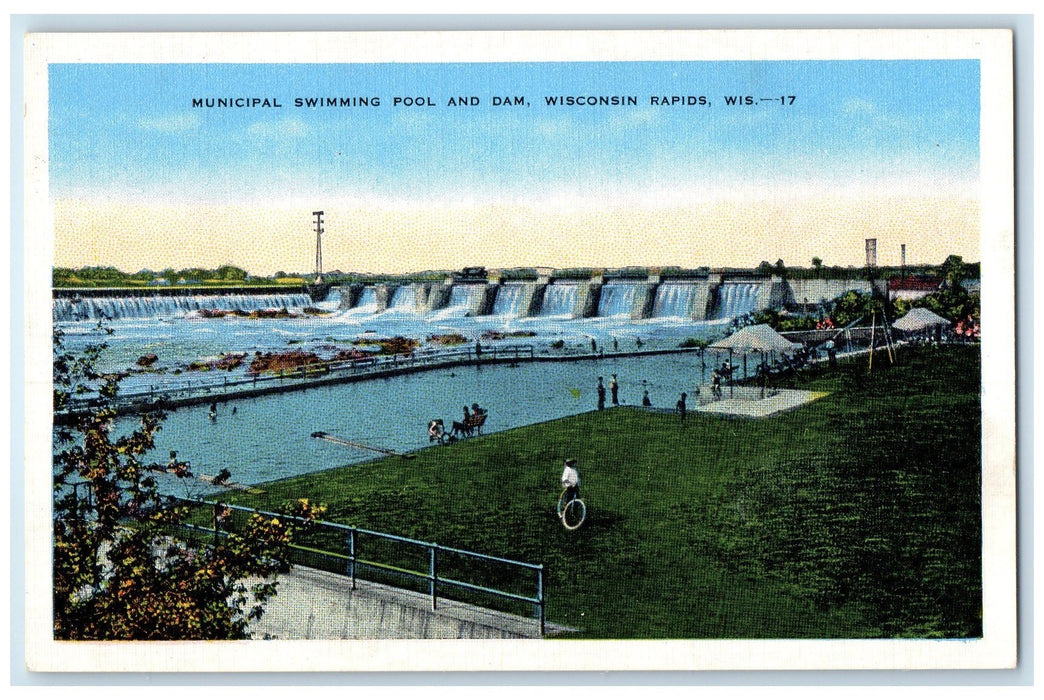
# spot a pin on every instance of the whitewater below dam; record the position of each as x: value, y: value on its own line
x: 199, y: 328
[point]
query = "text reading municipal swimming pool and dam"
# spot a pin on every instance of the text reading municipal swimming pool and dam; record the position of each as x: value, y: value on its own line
x: 495, y: 101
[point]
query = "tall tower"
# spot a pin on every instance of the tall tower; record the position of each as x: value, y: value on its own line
x: 871, y: 253
x: 318, y: 246
x: 871, y: 266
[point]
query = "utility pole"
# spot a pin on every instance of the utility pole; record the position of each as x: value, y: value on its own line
x: 318, y: 246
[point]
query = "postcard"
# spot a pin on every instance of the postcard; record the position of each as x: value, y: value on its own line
x: 575, y: 350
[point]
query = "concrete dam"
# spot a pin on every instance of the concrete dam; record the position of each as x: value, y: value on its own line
x: 691, y: 299
x: 699, y: 298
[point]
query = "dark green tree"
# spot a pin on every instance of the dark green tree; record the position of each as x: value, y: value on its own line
x: 817, y: 264
x: 231, y: 273
x: 954, y: 271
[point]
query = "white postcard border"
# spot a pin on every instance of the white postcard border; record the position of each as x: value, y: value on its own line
x: 995, y: 650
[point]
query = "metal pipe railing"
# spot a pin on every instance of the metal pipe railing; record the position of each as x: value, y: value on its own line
x: 353, y: 561
x: 301, y: 374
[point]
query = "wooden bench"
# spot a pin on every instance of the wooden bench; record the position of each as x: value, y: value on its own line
x: 471, y: 425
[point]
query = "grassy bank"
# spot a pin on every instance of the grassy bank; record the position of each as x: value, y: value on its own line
x: 855, y: 516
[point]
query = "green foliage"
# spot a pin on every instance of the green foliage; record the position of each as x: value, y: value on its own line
x: 796, y: 323
x: 120, y: 570
x: 112, y: 277
x: 87, y: 276
x: 853, y: 306
x: 231, y: 273
x: 953, y: 304
x: 195, y: 274
x: 782, y: 322
x: 837, y: 272
x: 767, y: 268
x: 953, y: 270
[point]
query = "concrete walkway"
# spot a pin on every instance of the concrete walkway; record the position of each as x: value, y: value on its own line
x: 315, y: 604
x: 747, y: 402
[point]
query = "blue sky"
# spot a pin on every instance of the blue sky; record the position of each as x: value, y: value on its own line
x: 128, y: 131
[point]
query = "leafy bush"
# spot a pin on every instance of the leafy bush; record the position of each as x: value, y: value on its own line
x: 120, y: 570
x: 953, y: 304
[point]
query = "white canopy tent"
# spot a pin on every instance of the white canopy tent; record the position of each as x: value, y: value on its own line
x: 759, y: 338
x: 920, y: 319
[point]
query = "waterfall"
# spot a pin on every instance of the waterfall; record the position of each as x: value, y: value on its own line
x: 674, y: 300
x: 404, y: 300
x: 736, y: 299
x: 559, y: 300
x: 367, y: 303
x: 617, y: 299
x: 462, y: 299
x: 97, y: 308
x: 509, y: 296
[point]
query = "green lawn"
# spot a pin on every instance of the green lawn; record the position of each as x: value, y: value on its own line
x: 855, y: 516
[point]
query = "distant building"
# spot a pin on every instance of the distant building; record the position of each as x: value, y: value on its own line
x: 913, y: 287
x: 472, y: 273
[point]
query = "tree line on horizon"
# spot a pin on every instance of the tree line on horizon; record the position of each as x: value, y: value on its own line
x: 109, y: 276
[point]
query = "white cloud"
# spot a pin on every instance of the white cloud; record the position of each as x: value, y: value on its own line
x: 292, y: 127
x: 634, y: 118
x: 171, y: 124
x: 859, y: 106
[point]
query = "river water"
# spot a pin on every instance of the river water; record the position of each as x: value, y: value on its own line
x: 269, y: 437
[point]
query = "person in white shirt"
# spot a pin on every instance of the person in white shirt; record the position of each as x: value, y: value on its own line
x: 570, y: 481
